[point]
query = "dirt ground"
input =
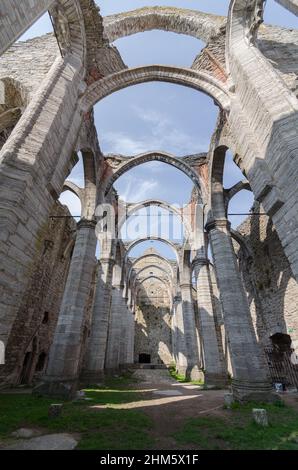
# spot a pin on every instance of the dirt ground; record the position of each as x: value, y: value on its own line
x: 170, y: 403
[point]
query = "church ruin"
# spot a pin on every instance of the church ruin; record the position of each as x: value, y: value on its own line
x: 68, y: 317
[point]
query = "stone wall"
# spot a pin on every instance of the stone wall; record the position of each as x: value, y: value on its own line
x: 271, y: 287
x: 153, y: 333
x: 34, y: 327
x: 28, y: 62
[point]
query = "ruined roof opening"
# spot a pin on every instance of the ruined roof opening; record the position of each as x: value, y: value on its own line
x: 159, y: 47
x: 275, y: 14
x: 161, y: 247
x: 110, y: 7
x: 155, y: 116
x: 155, y: 180
x: 154, y: 221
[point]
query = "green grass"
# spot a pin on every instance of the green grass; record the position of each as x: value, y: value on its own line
x: 108, y: 428
x: 182, y: 378
x: 237, y: 430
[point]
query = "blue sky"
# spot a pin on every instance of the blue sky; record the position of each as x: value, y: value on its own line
x: 159, y: 116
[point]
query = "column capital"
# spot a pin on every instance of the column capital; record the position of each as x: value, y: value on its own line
x: 220, y: 224
x: 200, y: 261
x: 106, y: 260
x: 86, y: 223
x: 185, y: 284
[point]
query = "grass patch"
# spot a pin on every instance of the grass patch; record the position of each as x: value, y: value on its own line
x: 99, y: 428
x: 181, y: 378
x: 237, y: 430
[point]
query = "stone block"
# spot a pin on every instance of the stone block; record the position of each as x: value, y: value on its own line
x: 260, y: 416
x: 228, y: 400
x: 55, y: 410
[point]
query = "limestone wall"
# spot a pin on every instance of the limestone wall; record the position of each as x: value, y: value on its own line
x: 153, y: 333
x: 271, y: 288
x: 34, y: 327
x: 28, y: 62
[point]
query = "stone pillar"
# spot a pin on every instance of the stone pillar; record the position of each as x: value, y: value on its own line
x: 62, y: 371
x: 180, y: 348
x: 114, y: 332
x: 125, y: 333
x: 97, y: 345
x: 250, y: 375
x: 190, y: 338
x: 52, y: 121
x: 215, y: 371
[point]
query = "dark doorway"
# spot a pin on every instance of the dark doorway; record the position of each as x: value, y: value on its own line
x: 144, y: 358
x: 41, y: 362
x: 281, y: 342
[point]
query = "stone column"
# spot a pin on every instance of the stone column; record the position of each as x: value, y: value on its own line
x: 114, y: 332
x: 124, y: 336
x: 215, y: 372
x: 250, y: 375
x: 190, y: 338
x: 62, y: 371
x: 28, y: 185
x: 180, y: 348
x: 97, y: 345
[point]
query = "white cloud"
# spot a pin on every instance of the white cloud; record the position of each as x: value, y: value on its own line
x: 162, y: 135
x: 136, y: 189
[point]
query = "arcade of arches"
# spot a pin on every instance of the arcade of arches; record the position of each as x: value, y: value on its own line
x: 227, y: 296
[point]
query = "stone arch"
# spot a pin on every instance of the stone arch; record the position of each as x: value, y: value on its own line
x: 151, y: 267
x: 242, y: 242
x: 134, y: 243
x: 154, y: 277
x: 167, y: 285
x: 154, y: 202
x: 220, y: 197
x: 217, y: 202
x: 154, y: 156
x: 177, y: 20
x: 159, y: 257
x: 199, y: 81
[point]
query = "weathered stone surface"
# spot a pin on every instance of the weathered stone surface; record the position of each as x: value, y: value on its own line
x: 134, y: 307
x: 47, y: 442
x: 260, y: 416
x: 23, y: 433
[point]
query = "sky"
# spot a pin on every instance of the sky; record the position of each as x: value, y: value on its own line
x: 160, y: 116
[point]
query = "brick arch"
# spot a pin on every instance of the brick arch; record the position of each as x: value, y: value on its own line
x: 199, y: 81
x: 150, y: 157
x: 177, y: 20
